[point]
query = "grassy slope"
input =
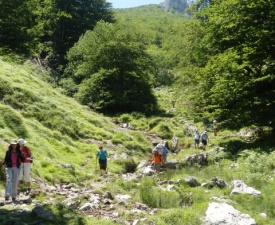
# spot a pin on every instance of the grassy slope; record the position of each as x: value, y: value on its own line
x: 54, y: 125
x: 58, y: 130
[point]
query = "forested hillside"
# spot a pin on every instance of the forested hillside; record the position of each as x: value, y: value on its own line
x: 219, y: 52
x: 78, y: 74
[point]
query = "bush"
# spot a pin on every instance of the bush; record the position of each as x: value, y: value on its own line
x: 125, y: 118
x: 129, y: 165
x: 163, y: 131
x: 154, y: 123
x: 106, y: 92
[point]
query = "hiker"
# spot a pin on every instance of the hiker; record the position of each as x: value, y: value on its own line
x: 204, y: 139
x: 13, y: 159
x: 102, y: 159
x: 197, y: 138
x: 164, y: 154
x: 157, y: 160
x: 158, y: 148
x: 25, y: 168
x: 215, y: 127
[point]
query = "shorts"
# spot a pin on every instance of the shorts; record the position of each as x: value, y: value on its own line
x: 204, y: 142
x: 157, y: 166
x: 102, y: 164
x: 25, y: 172
x: 197, y: 141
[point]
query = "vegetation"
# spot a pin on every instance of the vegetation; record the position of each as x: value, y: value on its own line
x: 47, y: 29
x: 113, y: 70
x: 157, y: 72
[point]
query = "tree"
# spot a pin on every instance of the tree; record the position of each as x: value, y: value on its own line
x: 18, y: 20
x: 68, y: 20
x: 113, y: 70
x: 238, y: 79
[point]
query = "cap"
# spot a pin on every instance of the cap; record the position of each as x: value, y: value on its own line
x: 21, y: 141
x: 13, y: 142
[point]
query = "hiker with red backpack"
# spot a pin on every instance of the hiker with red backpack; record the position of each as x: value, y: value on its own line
x: 25, y: 169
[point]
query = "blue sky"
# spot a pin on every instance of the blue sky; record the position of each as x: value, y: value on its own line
x: 132, y: 3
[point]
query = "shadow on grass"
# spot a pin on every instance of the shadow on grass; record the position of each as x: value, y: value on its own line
x: 264, y: 143
x: 61, y: 215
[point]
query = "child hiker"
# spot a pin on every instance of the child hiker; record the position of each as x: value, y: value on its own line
x: 102, y: 159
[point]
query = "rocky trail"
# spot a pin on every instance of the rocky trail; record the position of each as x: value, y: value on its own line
x: 88, y: 200
x: 94, y: 200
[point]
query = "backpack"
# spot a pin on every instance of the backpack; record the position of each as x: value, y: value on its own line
x: 158, y: 155
x: 204, y: 136
x: 28, y: 154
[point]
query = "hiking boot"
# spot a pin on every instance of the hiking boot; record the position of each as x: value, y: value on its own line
x: 13, y: 199
x: 7, y: 198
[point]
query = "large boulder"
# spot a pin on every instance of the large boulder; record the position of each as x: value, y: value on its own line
x: 224, y: 214
x: 216, y: 182
x: 239, y: 187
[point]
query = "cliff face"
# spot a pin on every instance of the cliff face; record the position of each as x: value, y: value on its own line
x: 175, y: 5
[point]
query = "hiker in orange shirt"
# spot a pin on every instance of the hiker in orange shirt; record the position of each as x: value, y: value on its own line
x: 157, y: 160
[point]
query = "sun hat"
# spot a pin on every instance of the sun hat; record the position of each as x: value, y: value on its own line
x: 21, y: 141
x: 13, y: 142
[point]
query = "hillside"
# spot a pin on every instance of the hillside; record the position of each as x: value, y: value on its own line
x: 233, y: 176
x: 64, y: 136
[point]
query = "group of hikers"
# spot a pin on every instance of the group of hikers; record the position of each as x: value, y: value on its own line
x: 159, y: 156
x: 17, y: 163
x: 159, y: 153
x: 203, y: 137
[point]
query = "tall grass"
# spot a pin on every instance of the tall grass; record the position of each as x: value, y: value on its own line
x: 155, y: 197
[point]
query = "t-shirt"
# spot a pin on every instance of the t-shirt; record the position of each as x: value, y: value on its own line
x: 197, y: 136
x: 204, y: 136
x: 14, y: 158
x: 102, y: 154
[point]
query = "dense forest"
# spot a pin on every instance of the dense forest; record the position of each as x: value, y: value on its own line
x: 219, y: 55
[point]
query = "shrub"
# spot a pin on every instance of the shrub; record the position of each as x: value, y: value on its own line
x: 163, y: 131
x: 129, y: 165
x: 154, y: 123
x: 125, y: 118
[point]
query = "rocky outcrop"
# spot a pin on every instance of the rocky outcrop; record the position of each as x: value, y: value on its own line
x: 175, y: 5
x: 239, y: 187
x: 201, y: 158
x: 222, y: 213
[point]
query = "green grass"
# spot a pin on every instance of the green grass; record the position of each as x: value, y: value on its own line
x: 64, y: 135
